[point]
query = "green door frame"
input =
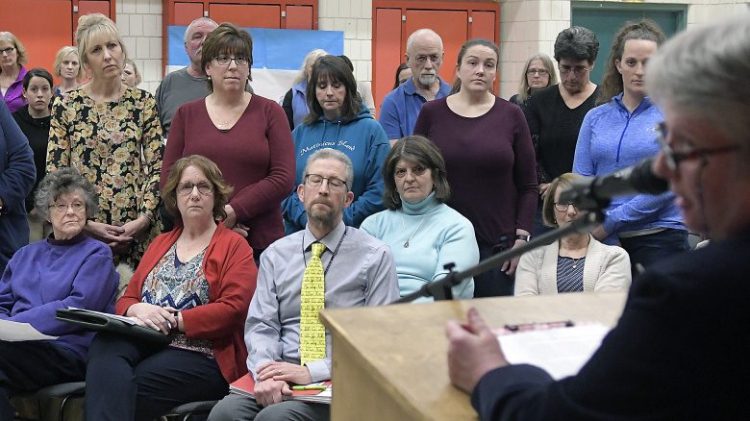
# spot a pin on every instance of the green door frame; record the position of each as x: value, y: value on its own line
x: 678, y: 11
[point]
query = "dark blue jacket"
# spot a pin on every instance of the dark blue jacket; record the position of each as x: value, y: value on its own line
x: 17, y: 176
x: 679, y: 352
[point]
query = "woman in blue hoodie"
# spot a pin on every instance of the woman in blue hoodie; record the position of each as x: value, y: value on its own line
x: 622, y: 132
x: 338, y: 120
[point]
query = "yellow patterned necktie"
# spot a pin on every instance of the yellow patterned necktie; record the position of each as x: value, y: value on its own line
x: 312, y: 334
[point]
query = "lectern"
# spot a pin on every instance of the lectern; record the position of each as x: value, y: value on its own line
x: 389, y: 363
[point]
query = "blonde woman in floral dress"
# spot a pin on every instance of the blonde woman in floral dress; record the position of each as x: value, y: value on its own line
x: 111, y: 134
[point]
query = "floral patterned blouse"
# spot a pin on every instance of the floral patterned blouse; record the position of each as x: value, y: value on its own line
x: 117, y: 146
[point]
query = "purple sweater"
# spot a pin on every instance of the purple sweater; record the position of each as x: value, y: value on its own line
x: 490, y: 163
x: 48, y: 275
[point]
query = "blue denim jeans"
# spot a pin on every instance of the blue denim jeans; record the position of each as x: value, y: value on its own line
x: 647, y: 250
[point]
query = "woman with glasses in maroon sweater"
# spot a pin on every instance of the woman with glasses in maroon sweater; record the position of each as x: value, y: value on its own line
x: 246, y: 135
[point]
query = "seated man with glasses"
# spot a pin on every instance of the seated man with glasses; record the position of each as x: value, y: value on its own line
x: 575, y: 263
x: 328, y: 264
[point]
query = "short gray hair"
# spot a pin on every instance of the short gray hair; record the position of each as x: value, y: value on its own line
x: 328, y: 153
x: 424, y: 32
x: 704, y: 71
x: 63, y: 181
x: 195, y: 22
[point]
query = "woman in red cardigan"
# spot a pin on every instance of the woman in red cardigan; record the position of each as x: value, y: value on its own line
x: 194, y: 283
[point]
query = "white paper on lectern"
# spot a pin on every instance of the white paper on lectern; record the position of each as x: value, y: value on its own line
x: 13, y: 332
x: 559, y: 351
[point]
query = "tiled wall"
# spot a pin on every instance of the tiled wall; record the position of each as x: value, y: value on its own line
x: 139, y: 23
x: 527, y: 26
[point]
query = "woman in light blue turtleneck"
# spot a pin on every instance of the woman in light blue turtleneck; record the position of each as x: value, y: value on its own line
x: 423, y: 232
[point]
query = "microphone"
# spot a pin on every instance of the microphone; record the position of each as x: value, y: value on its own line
x: 594, y: 193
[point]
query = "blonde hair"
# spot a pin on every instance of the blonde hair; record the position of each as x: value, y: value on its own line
x: 61, y: 54
x: 20, y: 49
x: 94, y: 24
x: 523, y: 86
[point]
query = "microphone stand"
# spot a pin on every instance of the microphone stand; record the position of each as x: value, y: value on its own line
x: 441, y: 289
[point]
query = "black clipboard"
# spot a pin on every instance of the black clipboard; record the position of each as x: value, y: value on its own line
x: 104, y: 322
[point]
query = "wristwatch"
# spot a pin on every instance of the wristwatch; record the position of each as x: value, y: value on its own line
x: 526, y: 237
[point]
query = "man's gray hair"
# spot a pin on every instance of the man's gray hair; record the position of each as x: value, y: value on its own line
x: 424, y: 32
x: 195, y: 22
x: 328, y: 153
x: 703, y: 71
x: 63, y: 181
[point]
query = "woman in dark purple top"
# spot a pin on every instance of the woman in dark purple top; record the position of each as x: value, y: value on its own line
x: 489, y: 158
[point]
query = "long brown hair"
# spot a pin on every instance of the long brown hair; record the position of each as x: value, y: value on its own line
x: 644, y: 29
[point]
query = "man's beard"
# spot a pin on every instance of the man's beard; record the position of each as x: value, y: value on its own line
x: 427, y: 80
x: 322, y: 217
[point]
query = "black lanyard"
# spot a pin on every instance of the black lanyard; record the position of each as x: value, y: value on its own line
x: 335, y: 251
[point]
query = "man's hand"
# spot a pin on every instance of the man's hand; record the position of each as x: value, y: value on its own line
x: 286, y: 372
x: 473, y: 350
x: 270, y: 391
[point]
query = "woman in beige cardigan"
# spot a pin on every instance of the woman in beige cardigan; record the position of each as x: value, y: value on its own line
x: 575, y: 263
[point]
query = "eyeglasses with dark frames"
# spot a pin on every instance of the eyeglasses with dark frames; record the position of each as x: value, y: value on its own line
x: 563, y: 206
x: 316, y: 180
x: 673, y: 159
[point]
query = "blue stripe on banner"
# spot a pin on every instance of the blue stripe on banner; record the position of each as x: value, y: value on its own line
x: 272, y: 48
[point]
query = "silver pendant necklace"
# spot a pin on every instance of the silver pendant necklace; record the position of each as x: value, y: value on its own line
x: 403, y: 226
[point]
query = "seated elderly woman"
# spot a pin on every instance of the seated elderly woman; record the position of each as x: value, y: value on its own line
x: 423, y: 232
x: 194, y: 283
x: 575, y: 263
x: 68, y: 269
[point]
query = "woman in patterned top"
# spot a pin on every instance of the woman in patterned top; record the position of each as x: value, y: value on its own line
x: 194, y: 283
x: 575, y: 263
x: 111, y: 134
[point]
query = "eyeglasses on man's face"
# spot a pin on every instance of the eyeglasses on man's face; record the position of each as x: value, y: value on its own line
x: 673, y: 159
x: 577, y: 70
x: 316, y: 181
x: 185, y: 189
x: 7, y: 51
x: 224, y: 60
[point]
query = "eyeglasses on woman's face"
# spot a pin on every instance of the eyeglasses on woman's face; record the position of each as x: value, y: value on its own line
x: 60, y: 207
x: 7, y: 51
x: 185, y: 189
x: 224, y: 60
x: 563, y: 206
x: 535, y: 72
